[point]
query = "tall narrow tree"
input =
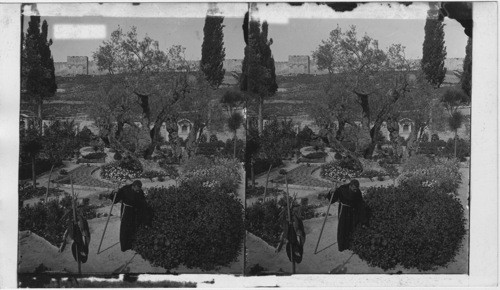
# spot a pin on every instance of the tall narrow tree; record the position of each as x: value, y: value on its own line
x: 434, y: 51
x: 258, y: 70
x: 38, y: 65
x: 212, y: 49
x: 466, y: 80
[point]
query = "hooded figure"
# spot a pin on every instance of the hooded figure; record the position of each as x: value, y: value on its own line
x: 134, y: 211
x: 351, y: 212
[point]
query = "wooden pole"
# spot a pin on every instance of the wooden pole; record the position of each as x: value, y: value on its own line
x: 324, y: 222
x: 267, y: 181
x: 75, y: 221
x: 107, y: 221
x: 48, y: 185
x: 289, y: 221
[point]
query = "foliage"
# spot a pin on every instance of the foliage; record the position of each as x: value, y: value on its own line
x: 304, y: 137
x: 371, y: 173
x: 42, y: 165
x: 59, y: 140
x: 170, y: 171
x: 45, y: 219
x: 452, y: 98
x: 28, y: 192
x: 85, y: 137
x: 278, y: 139
x: 258, y: 70
x: 131, y: 164
x: 335, y: 172
x: 463, y: 149
x: 432, y: 148
x: 222, y: 175
x: 212, y: 50
x: 417, y: 162
x: 197, y: 163
x: 455, y: 121
x: 434, y: 51
x: 202, y: 228
x: 466, y: 78
x: 443, y: 175
x: 413, y: 226
x: 37, y: 64
x: 261, y: 165
x: 375, y: 79
x: 265, y: 219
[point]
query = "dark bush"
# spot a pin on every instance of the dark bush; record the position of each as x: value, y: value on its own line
x: 150, y: 174
x: 261, y: 165
x: 41, y: 166
x: 45, y: 219
x: 131, y: 164
x: 411, y: 226
x: 463, y: 149
x: 350, y: 163
x: 117, y: 156
x: 193, y: 226
x: 202, y: 139
x: 213, y: 138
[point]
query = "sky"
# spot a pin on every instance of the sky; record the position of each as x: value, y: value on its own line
x: 79, y: 29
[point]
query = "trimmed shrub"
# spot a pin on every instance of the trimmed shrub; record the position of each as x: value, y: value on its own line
x: 131, y: 164
x: 45, y: 219
x: 351, y: 164
x: 197, y: 163
x: 463, y: 149
x: 192, y: 225
x: 414, y: 227
x: 443, y: 174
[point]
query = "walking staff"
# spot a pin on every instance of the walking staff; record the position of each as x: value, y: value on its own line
x: 107, y: 221
x: 324, y: 221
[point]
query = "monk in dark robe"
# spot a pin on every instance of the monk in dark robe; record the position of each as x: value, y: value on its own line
x: 134, y: 211
x: 351, y: 212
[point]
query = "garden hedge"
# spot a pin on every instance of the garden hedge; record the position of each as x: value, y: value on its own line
x: 192, y: 225
x: 414, y: 227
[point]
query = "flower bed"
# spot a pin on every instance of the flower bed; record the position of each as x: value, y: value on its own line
x: 442, y: 174
x: 222, y: 174
x: 333, y: 171
x: 115, y: 172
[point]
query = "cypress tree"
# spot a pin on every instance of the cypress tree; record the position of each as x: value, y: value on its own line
x: 38, y: 64
x: 213, y: 51
x: 466, y: 80
x: 434, y: 51
x: 258, y: 69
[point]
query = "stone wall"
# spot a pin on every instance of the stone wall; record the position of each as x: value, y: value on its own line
x: 296, y: 64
